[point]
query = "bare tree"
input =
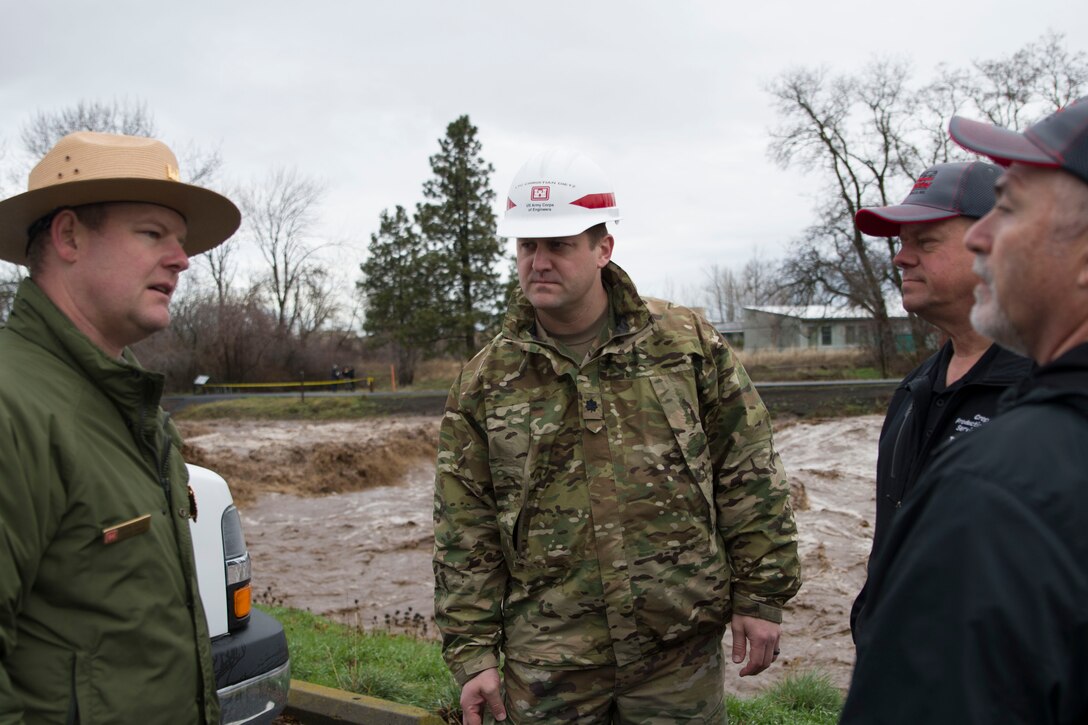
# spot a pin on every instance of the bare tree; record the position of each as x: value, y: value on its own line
x: 228, y: 339
x: 44, y: 128
x: 10, y: 277
x: 220, y: 265
x: 869, y: 133
x: 278, y: 214
x: 727, y: 291
x: 9, y: 174
x: 850, y: 129
x: 199, y: 165
x: 10, y: 274
x: 721, y: 294
x: 1016, y: 90
x: 760, y: 283
x: 316, y: 304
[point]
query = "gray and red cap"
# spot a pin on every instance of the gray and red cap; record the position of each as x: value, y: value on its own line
x: 943, y: 191
x: 1059, y: 141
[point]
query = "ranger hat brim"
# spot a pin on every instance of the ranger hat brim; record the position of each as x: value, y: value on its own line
x: 91, y: 168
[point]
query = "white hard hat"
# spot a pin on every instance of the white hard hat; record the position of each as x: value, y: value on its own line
x: 558, y: 193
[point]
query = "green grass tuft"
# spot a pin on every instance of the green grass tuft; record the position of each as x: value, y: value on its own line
x: 393, y: 667
x: 809, y: 691
x: 806, y: 698
x: 410, y: 671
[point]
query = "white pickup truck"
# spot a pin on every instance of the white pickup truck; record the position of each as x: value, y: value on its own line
x: 249, y: 649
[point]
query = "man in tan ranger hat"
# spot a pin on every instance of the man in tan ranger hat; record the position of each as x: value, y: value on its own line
x: 100, y: 617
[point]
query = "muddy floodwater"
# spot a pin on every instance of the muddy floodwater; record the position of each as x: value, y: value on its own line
x: 358, y: 557
x: 338, y: 521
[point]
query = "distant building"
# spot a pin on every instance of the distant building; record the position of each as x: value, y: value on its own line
x: 781, y: 327
x: 733, y: 331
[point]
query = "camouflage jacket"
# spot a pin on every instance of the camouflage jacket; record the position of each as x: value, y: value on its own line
x: 590, y: 515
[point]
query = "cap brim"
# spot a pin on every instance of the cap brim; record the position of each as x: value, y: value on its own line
x: 884, y: 221
x: 1000, y: 144
x: 210, y: 218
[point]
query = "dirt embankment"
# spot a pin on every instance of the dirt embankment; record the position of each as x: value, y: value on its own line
x: 309, y: 459
x: 338, y: 520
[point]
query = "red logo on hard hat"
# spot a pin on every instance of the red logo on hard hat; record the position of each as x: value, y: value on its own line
x: 540, y: 193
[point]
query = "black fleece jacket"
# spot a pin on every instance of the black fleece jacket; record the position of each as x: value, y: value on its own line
x: 978, y: 600
x: 923, y: 416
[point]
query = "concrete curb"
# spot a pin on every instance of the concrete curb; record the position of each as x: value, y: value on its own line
x: 318, y: 705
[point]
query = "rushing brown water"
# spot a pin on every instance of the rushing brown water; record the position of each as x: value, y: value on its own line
x: 363, y: 555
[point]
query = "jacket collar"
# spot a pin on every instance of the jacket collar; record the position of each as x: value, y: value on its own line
x: 35, y: 318
x: 997, y: 367
x: 628, y: 307
x: 1065, y: 378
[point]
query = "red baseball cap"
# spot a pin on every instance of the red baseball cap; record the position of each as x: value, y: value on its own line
x: 1059, y: 141
x: 943, y: 191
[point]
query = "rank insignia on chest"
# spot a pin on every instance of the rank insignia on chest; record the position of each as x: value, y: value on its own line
x: 592, y: 414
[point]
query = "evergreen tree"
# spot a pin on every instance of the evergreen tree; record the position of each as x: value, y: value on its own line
x: 400, y: 293
x: 458, y: 223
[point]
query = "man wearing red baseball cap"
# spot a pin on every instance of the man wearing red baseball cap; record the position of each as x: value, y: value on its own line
x: 978, y: 598
x: 956, y: 390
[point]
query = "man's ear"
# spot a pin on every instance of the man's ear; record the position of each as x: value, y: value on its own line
x: 604, y: 249
x: 67, y: 235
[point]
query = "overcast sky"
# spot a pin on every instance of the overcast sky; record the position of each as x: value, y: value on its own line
x: 667, y: 97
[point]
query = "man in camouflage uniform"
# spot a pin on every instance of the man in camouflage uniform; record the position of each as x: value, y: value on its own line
x: 607, y: 493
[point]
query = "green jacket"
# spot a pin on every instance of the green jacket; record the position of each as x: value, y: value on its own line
x: 92, y: 631
x: 591, y: 515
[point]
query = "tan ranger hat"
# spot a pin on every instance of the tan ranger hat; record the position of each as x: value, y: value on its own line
x: 89, y: 168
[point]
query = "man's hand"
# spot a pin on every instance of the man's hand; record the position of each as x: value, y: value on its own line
x: 764, y: 638
x: 483, y: 689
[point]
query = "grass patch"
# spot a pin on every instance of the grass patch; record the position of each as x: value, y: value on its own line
x: 410, y: 671
x: 808, y: 364
x: 437, y: 374
x: 284, y: 408
x: 807, y: 698
x: 394, y: 667
x: 315, y: 408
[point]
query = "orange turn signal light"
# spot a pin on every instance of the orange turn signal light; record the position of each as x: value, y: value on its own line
x: 243, y: 601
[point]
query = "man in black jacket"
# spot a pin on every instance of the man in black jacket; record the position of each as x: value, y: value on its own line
x: 976, y: 610
x: 956, y: 390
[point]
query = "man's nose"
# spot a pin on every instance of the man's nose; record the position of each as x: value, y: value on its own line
x: 541, y: 259
x: 978, y: 236
x: 177, y: 258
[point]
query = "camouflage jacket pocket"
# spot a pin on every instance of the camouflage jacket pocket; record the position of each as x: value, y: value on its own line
x: 542, y: 506
x: 680, y: 407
